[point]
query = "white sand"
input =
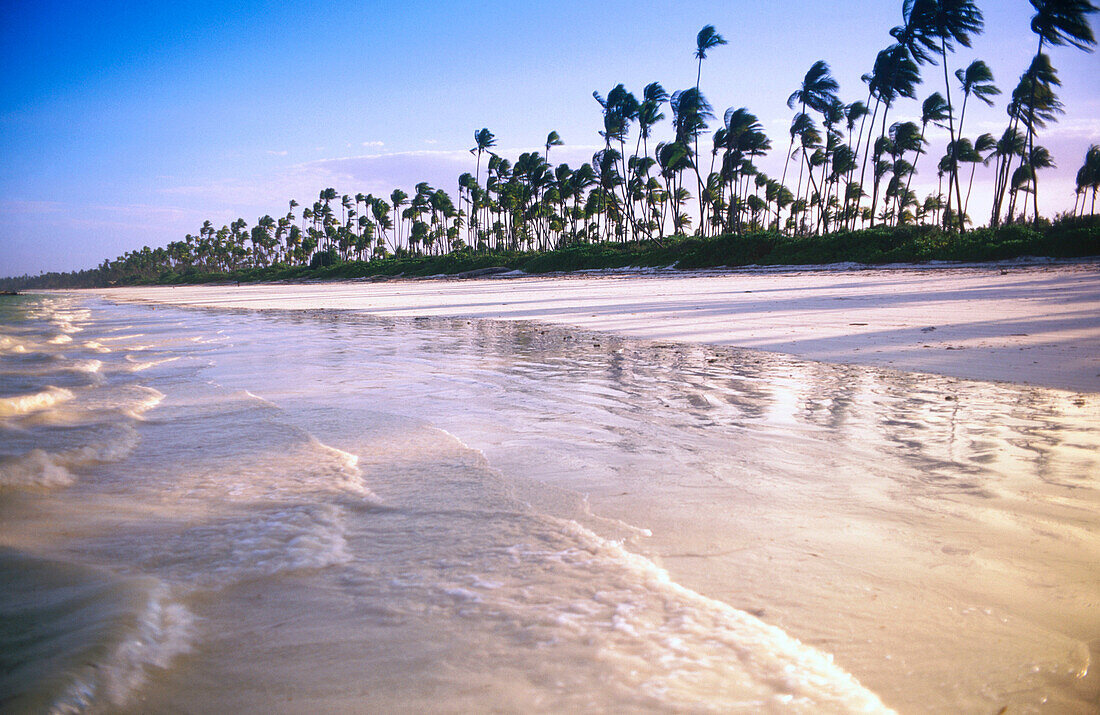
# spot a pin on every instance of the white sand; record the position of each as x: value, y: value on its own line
x: 1037, y: 325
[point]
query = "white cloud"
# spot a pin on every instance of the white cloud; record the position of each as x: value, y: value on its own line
x: 374, y: 144
x: 277, y: 153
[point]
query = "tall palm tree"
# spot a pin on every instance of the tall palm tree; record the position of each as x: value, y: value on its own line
x: 707, y: 39
x: 984, y: 147
x: 483, y: 141
x: 818, y: 92
x: 690, y: 112
x: 1034, y: 103
x: 895, y: 75
x: 1058, y: 23
x: 552, y: 139
x: 1088, y: 176
x: 397, y: 200
x: 940, y: 25
x: 977, y: 81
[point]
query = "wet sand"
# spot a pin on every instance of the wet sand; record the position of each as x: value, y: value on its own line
x: 969, y: 587
x: 1036, y: 325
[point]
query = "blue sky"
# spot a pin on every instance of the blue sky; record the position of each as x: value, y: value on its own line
x: 128, y: 124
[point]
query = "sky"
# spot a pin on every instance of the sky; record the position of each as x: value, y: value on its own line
x: 127, y: 124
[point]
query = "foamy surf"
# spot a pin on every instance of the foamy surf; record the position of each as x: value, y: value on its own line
x: 262, y: 541
x: 36, y: 469
x: 709, y: 651
x: 76, y: 639
x: 138, y: 365
x: 9, y: 344
x: 26, y: 404
x: 41, y: 469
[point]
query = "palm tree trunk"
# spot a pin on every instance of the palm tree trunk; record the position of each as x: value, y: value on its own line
x: 954, y: 144
x: 867, y: 151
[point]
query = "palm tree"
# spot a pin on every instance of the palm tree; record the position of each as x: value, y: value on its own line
x: 690, y: 112
x: 397, y: 200
x: 1011, y: 144
x: 1088, y: 177
x: 983, y: 151
x: 707, y: 39
x: 1057, y: 23
x: 904, y: 138
x: 552, y: 139
x: 818, y: 92
x: 939, y: 25
x: 1034, y: 103
x: 483, y: 141
x: 976, y: 80
x: 895, y: 75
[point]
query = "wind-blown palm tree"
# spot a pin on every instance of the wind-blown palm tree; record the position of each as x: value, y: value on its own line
x: 483, y: 141
x: 1034, y: 103
x: 397, y: 200
x: 940, y: 24
x: 817, y: 92
x: 895, y: 75
x: 690, y: 112
x: 707, y: 39
x: 1088, y: 177
x: 1057, y: 23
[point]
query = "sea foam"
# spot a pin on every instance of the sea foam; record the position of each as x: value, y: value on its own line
x: 25, y: 404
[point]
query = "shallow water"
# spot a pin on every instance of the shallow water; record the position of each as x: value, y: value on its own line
x: 324, y: 511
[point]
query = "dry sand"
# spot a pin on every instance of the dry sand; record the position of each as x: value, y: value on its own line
x: 1037, y: 325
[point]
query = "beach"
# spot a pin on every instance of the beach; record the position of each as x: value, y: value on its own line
x: 1034, y: 325
x: 781, y: 491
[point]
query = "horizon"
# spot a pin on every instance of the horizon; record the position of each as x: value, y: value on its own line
x: 124, y: 127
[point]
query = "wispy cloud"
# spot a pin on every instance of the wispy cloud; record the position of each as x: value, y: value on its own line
x: 277, y: 153
x: 376, y: 172
x: 130, y: 217
x: 374, y: 144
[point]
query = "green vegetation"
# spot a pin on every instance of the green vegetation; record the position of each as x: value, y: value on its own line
x: 1068, y: 237
x: 633, y: 204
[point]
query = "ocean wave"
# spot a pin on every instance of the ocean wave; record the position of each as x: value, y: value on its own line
x: 348, y: 475
x: 82, y: 639
x: 88, y: 366
x: 137, y: 365
x: 708, y: 650
x: 34, y: 470
x: 11, y: 344
x: 97, y: 404
x: 25, y: 404
x: 162, y: 631
x: 146, y: 399
x: 263, y: 542
x: 39, y: 469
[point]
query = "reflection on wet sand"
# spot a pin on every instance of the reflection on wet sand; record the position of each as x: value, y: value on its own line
x: 923, y: 529
x: 367, y: 512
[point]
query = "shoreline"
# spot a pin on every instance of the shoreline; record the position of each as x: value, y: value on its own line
x: 823, y: 501
x: 1034, y: 323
